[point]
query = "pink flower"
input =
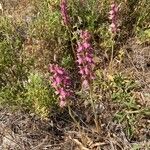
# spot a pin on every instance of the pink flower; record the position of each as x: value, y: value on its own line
x: 80, y: 59
x: 58, y: 80
x: 113, y: 16
x: 87, y: 71
x: 62, y: 93
x: 80, y: 47
x: 51, y: 68
x: 85, y: 84
x: 62, y: 103
x: 85, y: 35
x: 81, y: 70
x: 59, y: 70
x: 86, y: 45
x: 85, y: 59
x: 64, y: 12
x: 89, y: 58
x: 61, y: 82
x: 111, y: 12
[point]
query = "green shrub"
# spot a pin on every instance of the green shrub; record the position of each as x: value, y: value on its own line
x: 39, y: 96
x: 13, y: 66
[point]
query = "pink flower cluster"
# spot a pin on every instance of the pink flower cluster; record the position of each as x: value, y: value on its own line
x: 85, y: 59
x: 113, y: 16
x: 61, y: 82
x: 64, y: 12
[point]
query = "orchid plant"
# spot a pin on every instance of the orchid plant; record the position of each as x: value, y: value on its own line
x: 64, y: 12
x: 61, y: 82
x: 113, y: 16
x: 85, y: 59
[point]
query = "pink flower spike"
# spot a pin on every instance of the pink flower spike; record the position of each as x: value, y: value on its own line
x: 61, y: 82
x: 64, y: 12
x: 113, y: 16
x: 85, y: 58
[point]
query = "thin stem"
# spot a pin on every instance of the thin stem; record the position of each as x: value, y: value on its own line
x: 94, y: 111
x: 73, y: 51
x: 112, y: 52
x: 71, y: 115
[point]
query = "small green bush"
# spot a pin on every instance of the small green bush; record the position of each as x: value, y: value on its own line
x: 13, y: 66
x: 39, y: 96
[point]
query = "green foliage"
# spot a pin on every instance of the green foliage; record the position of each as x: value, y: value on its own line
x: 67, y: 62
x: 13, y: 67
x: 119, y: 90
x: 129, y: 111
x: 142, y: 25
x: 46, y: 25
x: 39, y: 96
x: 57, y: 43
x: 143, y: 34
x: 122, y: 90
x: 142, y: 10
x: 84, y: 14
x: 10, y: 95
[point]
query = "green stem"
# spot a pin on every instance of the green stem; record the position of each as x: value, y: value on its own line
x: 73, y: 51
x: 112, y: 52
x: 94, y: 111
